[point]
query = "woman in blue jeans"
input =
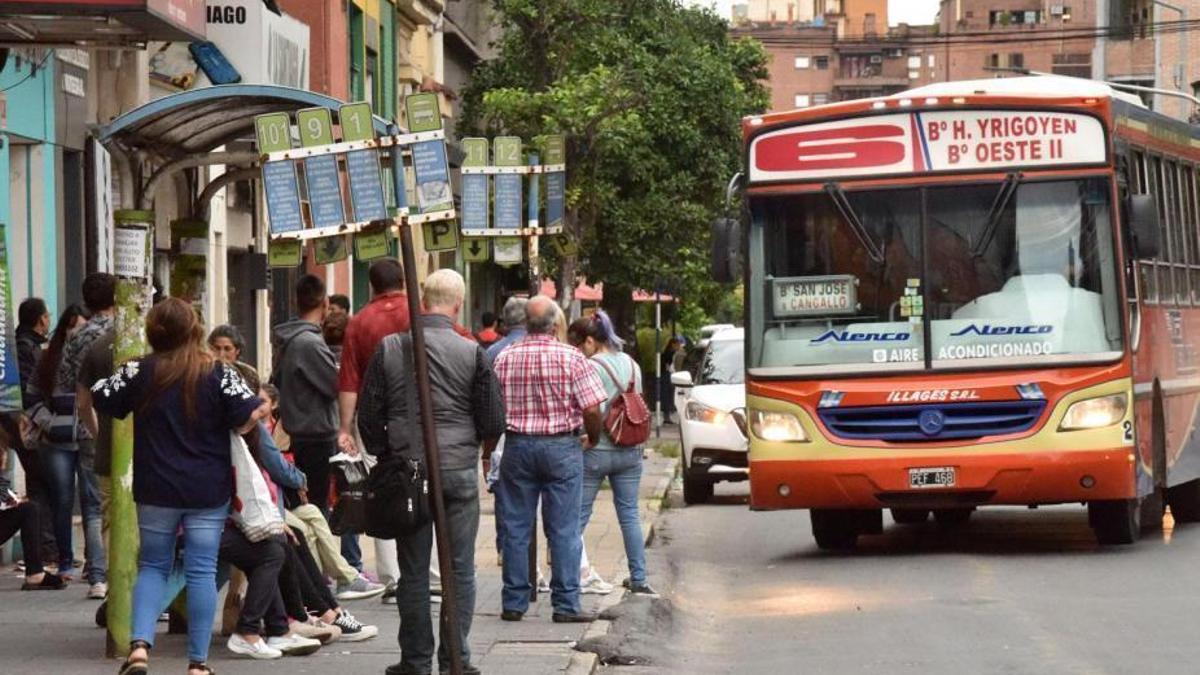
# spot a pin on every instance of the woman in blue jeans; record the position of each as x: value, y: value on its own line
x: 64, y: 464
x: 622, y: 466
x: 184, y: 405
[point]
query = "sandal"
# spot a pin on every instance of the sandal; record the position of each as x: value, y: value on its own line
x: 136, y: 666
x: 202, y: 667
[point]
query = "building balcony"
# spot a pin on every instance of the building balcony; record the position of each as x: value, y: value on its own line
x: 870, y: 82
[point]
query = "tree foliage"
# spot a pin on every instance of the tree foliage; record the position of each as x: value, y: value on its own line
x: 650, y: 96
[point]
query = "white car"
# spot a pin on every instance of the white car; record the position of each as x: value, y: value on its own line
x: 712, y: 409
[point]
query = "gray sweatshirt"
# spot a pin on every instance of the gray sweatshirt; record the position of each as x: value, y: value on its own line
x: 306, y: 375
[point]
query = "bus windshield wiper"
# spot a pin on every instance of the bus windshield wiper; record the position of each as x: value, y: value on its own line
x: 838, y: 196
x: 1007, y: 189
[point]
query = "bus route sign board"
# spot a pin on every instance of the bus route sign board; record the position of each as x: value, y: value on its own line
x: 321, y: 172
x: 431, y: 171
x: 508, y: 251
x: 556, y: 182
x: 928, y: 142
x: 371, y: 245
x: 508, y: 186
x: 362, y: 166
x: 475, y: 193
x: 814, y: 296
x: 280, y: 184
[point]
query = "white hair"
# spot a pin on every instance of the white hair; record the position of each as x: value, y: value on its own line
x: 444, y: 288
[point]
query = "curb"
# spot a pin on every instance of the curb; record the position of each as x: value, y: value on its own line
x: 586, y: 663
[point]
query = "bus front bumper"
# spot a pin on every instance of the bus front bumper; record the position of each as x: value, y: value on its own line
x: 1023, y: 478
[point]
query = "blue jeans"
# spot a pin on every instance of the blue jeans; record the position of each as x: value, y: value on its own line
x: 460, y: 489
x: 623, y: 469
x: 351, y: 551
x: 202, y: 529
x: 550, y: 467
x: 67, y: 470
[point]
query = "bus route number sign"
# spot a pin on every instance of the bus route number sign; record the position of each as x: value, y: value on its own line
x: 814, y: 296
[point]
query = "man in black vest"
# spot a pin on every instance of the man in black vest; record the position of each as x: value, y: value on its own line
x: 469, y: 412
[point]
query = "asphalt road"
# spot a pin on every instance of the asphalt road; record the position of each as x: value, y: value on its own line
x: 1015, y: 591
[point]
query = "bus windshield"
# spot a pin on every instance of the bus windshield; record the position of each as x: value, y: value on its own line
x: 977, y: 275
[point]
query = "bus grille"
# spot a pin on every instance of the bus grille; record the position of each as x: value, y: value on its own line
x: 932, y: 422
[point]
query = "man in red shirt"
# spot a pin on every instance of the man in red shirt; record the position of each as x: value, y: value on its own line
x: 387, y: 313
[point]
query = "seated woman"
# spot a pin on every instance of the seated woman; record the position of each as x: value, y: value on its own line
x: 18, y: 514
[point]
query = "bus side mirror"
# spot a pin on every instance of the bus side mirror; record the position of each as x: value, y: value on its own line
x: 1143, y: 225
x: 726, y: 245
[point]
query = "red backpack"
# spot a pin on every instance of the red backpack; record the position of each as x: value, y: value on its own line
x: 628, y: 418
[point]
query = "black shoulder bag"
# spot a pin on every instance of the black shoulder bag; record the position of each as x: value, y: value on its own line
x: 398, y: 487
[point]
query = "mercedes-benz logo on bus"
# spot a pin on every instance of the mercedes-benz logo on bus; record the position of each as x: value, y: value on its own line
x: 931, y: 422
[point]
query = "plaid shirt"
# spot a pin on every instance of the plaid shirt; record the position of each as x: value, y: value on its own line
x: 546, y: 386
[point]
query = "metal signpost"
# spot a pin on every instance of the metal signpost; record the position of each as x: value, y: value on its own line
x: 359, y: 151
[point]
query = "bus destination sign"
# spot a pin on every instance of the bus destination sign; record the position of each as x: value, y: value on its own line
x: 928, y: 142
x: 814, y: 296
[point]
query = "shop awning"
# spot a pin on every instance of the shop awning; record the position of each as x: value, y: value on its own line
x: 200, y: 120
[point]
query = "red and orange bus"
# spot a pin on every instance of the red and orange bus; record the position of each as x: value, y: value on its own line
x: 969, y: 294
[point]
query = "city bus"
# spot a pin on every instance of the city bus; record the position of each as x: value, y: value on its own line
x: 971, y: 294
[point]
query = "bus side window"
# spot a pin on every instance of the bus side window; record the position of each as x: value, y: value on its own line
x: 1160, y: 188
x: 1178, y: 255
x: 1192, y: 232
x: 1146, y: 268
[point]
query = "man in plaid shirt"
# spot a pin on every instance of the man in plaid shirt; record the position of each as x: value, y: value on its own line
x: 551, y: 394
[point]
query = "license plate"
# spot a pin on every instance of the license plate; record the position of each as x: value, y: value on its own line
x: 932, y: 477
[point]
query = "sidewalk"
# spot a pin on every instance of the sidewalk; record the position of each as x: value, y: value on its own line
x: 52, y: 633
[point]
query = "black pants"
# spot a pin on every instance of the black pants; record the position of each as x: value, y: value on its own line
x: 312, y: 457
x: 24, y: 518
x: 302, y: 584
x: 262, y: 611
x: 36, y: 486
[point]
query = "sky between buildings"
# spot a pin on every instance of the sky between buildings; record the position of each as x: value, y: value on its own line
x: 899, y: 11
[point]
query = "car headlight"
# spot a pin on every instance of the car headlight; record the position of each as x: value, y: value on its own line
x: 1095, y: 413
x: 777, y: 426
x: 698, y: 412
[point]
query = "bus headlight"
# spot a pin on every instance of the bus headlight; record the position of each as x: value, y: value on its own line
x: 1094, y: 413
x: 698, y: 412
x: 777, y: 426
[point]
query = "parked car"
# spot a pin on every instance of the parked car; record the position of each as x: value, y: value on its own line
x: 712, y: 417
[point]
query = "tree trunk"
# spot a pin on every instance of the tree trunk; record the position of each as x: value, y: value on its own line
x: 133, y: 302
x: 568, y: 269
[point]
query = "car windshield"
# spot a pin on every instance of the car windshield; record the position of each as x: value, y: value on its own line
x: 994, y: 274
x: 724, y: 363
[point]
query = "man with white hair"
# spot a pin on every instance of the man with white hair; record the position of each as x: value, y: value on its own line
x: 552, y: 395
x: 469, y: 413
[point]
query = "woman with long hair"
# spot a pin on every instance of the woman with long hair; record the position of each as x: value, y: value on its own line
x: 622, y: 466
x: 53, y: 413
x: 184, y: 403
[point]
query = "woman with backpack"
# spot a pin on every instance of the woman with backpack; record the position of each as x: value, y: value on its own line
x: 618, y: 454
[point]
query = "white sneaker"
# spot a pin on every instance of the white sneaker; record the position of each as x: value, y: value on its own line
x: 543, y: 586
x: 352, y: 630
x: 255, y: 650
x: 294, y: 645
x: 98, y: 591
x: 595, y: 585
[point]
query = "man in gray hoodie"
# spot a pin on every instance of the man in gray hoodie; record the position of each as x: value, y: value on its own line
x: 306, y: 376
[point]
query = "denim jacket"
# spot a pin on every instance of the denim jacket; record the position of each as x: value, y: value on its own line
x: 284, y: 473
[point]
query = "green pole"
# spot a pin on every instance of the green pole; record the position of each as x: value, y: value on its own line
x: 133, y: 240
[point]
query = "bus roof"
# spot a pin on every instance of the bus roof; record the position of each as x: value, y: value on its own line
x: 1051, y: 86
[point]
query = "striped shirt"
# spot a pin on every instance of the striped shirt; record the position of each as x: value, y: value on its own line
x: 546, y: 386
